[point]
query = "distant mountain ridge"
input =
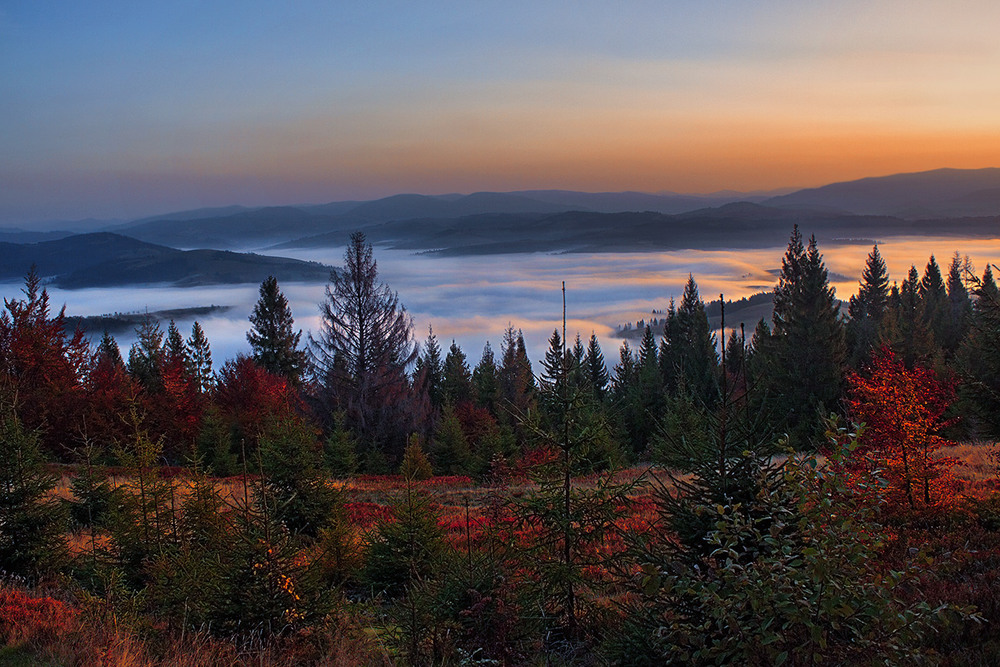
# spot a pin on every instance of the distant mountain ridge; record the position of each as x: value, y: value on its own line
x: 961, y: 200
x: 103, y: 259
x: 941, y: 193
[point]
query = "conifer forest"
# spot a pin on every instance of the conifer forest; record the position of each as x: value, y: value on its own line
x: 822, y: 488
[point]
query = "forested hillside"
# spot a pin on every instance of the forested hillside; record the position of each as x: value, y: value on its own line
x: 351, y: 495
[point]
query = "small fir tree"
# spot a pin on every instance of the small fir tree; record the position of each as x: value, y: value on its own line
x: 32, y: 521
x: 415, y: 466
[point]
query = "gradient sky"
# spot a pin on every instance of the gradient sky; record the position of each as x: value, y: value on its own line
x: 123, y: 109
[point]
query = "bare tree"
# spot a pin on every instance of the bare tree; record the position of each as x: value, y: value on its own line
x: 363, y: 348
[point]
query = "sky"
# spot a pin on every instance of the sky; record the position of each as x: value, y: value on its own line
x: 126, y: 109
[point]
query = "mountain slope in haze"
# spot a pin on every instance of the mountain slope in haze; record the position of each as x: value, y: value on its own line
x: 108, y: 260
x: 733, y: 226
x: 941, y: 193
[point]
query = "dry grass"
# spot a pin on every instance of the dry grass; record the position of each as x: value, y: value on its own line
x: 976, y: 461
x: 55, y: 631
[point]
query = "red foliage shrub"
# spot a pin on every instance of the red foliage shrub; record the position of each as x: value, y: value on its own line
x: 33, y: 620
x: 903, y: 413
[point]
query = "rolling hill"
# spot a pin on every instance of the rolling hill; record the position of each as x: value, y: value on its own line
x: 106, y: 260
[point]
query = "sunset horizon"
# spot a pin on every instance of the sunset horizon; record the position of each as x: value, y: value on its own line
x: 119, y: 112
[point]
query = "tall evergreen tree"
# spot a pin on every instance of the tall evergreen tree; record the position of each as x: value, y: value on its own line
x: 363, y: 350
x: 934, y: 296
x: 146, y: 357
x: 272, y: 336
x: 456, y: 381
x: 979, y: 358
x: 486, y: 380
x: 695, y: 347
x: 517, y: 383
x: 108, y: 349
x: 174, y: 348
x: 807, y: 350
x: 429, y: 369
x: 959, y: 307
x: 867, y: 309
x: 596, y: 369
x: 200, y: 359
x: 905, y: 326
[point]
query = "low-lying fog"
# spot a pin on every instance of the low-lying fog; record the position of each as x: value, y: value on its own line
x: 472, y: 299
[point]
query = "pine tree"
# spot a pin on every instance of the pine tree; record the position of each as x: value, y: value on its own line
x: 293, y: 478
x: 272, y: 335
x: 485, y: 379
x: 934, y: 296
x: 200, y: 359
x: 449, y: 447
x: 905, y: 326
x: 693, y: 348
x: 517, y: 383
x: 174, y: 349
x: 32, y: 521
x: 146, y: 357
x: 979, y: 357
x: 596, y: 370
x: 867, y: 309
x: 807, y: 334
x: 456, y: 382
x: 429, y: 370
x: 959, y: 307
x: 363, y: 350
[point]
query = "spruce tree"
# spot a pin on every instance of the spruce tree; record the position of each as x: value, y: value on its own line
x: 428, y: 372
x: 32, y: 521
x: 694, y: 348
x: 867, y: 309
x: 959, y: 307
x: 486, y: 381
x: 570, y: 522
x: 108, y: 349
x: 146, y: 357
x: 174, y: 348
x: 200, y: 359
x: 272, y: 336
x: 979, y: 358
x: 625, y: 373
x: 362, y: 353
x: 806, y: 353
x: 596, y: 369
x: 456, y: 380
x: 294, y: 480
x: 517, y: 383
x: 934, y: 296
x: 449, y: 447
x: 735, y: 354
x: 905, y: 328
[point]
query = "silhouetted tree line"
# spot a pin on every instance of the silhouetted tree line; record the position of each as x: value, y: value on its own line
x: 367, y: 389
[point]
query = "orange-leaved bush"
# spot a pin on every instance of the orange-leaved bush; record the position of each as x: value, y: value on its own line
x: 903, y: 410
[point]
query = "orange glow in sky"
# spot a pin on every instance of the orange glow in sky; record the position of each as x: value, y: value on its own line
x: 113, y: 109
